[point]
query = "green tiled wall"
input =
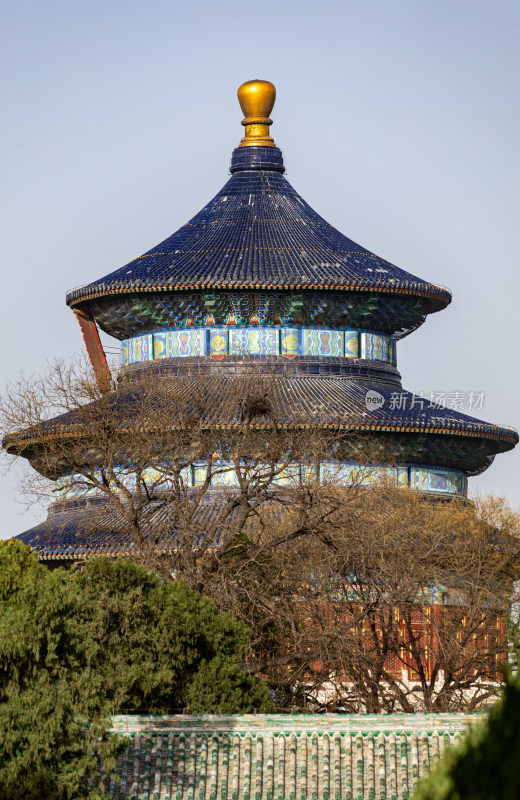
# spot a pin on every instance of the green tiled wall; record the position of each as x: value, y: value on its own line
x: 280, y: 757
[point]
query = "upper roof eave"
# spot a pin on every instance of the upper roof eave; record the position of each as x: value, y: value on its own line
x: 94, y: 291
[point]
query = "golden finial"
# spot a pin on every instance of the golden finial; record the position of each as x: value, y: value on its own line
x: 256, y: 100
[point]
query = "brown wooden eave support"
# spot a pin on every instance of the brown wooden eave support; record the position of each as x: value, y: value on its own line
x: 95, y: 350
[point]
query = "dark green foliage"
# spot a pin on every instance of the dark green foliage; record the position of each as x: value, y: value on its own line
x: 485, y: 766
x: 75, y: 646
x: 166, y: 648
x: 219, y: 684
x: 48, y: 688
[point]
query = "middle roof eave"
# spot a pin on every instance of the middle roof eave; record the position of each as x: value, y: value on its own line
x: 329, y: 402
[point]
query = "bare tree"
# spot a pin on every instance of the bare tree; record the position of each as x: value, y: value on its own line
x: 405, y: 603
x: 366, y: 599
x: 173, y: 466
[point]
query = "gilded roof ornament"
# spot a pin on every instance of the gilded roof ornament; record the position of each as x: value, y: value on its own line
x: 256, y: 100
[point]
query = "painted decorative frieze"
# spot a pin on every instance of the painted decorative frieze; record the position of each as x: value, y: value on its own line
x: 323, y: 342
x: 254, y: 341
x: 137, y: 349
x: 220, y: 341
x: 423, y: 478
x: 445, y: 481
x: 177, y: 344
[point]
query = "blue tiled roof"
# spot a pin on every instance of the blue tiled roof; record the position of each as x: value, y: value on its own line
x: 85, y: 528
x: 258, y: 232
x: 315, y: 401
x: 253, y: 158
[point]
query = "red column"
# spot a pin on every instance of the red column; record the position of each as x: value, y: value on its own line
x: 94, y: 349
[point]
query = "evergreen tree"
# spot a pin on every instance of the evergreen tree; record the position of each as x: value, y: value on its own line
x: 485, y: 765
x: 48, y: 687
x: 162, y: 646
x: 77, y: 645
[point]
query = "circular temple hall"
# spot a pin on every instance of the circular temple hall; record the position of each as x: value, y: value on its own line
x: 258, y: 280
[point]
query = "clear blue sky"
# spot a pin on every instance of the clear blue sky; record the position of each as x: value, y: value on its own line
x: 399, y: 121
